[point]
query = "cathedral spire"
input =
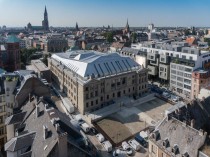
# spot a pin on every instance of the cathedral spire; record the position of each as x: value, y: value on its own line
x: 77, y: 27
x: 45, y: 10
x: 127, y: 25
x: 45, y: 23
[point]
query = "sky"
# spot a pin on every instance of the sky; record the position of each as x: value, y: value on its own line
x: 89, y: 13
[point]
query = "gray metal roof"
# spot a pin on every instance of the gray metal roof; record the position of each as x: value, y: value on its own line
x: 92, y: 63
x: 20, y: 142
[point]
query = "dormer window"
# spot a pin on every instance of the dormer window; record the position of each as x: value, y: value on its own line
x: 175, y: 150
x: 156, y: 135
x: 185, y: 154
x: 166, y: 143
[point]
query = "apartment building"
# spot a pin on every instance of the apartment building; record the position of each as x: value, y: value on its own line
x: 139, y: 56
x: 174, y: 62
x: 93, y: 80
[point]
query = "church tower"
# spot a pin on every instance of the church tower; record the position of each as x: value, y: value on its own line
x: 45, y: 23
x: 77, y: 27
x: 126, y: 30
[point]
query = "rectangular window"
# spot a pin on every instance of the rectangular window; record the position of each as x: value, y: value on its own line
x: 91, y: 103
x: 154, y: 150
x: 183, y: 56
x: 107, y: 96
x: 96, y: 93
x: 87, y: 104
x: 87, y: 96
x: 97, y: 102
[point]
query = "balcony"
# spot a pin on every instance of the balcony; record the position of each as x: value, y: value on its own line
x: 182, y: 61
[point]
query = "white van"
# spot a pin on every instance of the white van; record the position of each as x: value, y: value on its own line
x: 134, y: 144
x: 107, y: 145
x: 85, y: 127
x: 100, y: 137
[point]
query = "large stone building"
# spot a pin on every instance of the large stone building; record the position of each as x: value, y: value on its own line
x: 55, y: 43
x: 93, y: 80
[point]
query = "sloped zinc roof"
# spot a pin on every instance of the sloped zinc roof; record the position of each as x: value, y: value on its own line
x: 87, y: 63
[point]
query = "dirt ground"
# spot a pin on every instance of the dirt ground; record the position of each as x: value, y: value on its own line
x: 126, y: 123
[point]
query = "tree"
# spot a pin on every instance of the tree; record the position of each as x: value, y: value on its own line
x: 186, y: 32
x: 133, y: 37
x: 109, y: 37
x: 25, y: 54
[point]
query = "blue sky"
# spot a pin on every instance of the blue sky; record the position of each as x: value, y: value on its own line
x: 104, y: 12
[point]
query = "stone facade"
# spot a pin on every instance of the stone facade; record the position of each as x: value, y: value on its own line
x: 96, y: 93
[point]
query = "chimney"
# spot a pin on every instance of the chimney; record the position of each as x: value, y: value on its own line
x: 29, y: 97
x: 45, y: 132
x: 57, y: 127
x: 37, y: 111
x: 46, y: 106
x: 37, y: 99
x: 192, y: 123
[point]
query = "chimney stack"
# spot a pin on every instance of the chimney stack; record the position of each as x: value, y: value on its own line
x: 192, y: 123
x: 45, y: 132
x: 37, y: 111
x: 29, y: 96
x: 57, y: 127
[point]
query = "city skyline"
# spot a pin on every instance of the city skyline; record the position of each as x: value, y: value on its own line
x: 103, y: 13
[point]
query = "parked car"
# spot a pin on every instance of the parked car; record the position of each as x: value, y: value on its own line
x: 174, y: 98
x: 141, y: 140
x: 100, y: 137
x: 127, y: 148
x: 166, y: 95
x: 134, y: 144
x: 119, y: 153
x: 107, y: 145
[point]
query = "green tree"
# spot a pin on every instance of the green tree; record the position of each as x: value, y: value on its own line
x: 133, y: 37
x: 25, y: 54
x: 109, y: 36
x: 186, y: 32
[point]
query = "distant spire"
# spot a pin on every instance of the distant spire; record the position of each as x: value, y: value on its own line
x: 45, y: 10
x: 77, y: 27
x: 127, y: 25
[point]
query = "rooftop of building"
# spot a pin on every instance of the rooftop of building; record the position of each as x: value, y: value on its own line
x: 12, y: 39
x: 39, y: 65
x: 178, y: 136
x: 30, y: 123
x: 95, y: 64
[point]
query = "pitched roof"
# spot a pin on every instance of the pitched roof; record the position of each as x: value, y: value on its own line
x: 20, y: 142
x: 188, y: 139
x: 88, y: 63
